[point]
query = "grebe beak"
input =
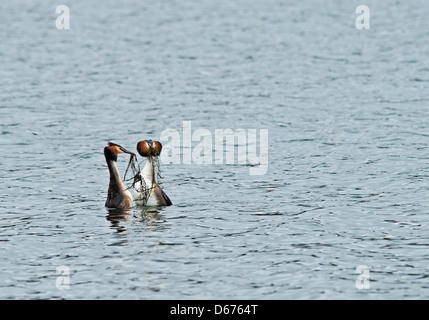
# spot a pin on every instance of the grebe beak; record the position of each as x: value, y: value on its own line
x: 120, y: 149
x: 126, y: 151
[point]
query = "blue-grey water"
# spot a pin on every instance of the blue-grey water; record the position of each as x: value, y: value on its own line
x: 347, y: 112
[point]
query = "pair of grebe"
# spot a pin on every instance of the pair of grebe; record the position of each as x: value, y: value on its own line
x: 150, y: 194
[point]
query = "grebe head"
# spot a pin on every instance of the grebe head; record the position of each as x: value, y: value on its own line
x: 112, y: 150
x: 149, y: 148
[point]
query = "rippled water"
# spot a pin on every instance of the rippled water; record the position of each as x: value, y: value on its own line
x: 347, y: 180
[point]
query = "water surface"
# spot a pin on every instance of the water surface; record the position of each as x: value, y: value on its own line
x: 347, y: 116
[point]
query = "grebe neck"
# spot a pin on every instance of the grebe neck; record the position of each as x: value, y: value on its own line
x: 148, y: 172
x: 115, y: 179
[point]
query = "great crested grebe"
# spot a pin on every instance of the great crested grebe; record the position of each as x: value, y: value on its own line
x: 117, y: 196
x: 151, y: 193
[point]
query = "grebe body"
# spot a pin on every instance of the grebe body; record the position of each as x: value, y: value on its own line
x: 117, y: 195
x: 151, y: 194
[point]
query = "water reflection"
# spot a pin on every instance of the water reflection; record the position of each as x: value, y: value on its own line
x: 116, y: 216
x: 151, y: 216
x: 120, y: 218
